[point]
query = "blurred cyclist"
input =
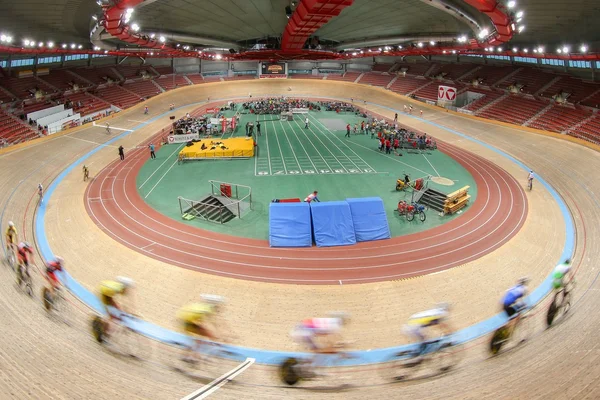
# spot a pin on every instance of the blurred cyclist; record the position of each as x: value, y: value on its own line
x: 24, y: 250
x: 559, y: 273
x: 321, y: 335
x: 11, y: 236
x: 513, y: 301
x: 51, y: 268
x: 417, y: 323
x: 40, y: 191
x: 195, y: 320
x: 108, y: 290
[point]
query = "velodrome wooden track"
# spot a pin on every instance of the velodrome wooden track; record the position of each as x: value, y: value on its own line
x: 44, y: 358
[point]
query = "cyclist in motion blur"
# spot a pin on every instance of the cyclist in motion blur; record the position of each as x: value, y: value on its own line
x: 513, y: 302
x: 417, y: 323
x: 196, y: 320
x: 11, y: 237
x: 122, y: 286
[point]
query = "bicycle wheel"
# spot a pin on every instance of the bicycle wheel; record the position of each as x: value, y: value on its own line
x: 410, y: 215
x: 446, y: 357
x: 552, y: 311
x: 422, y: 216
x: 498, y: 339
x: 288, y: 371
x: 98, y: 329
x: 47, y: 299
x: 400, y: 366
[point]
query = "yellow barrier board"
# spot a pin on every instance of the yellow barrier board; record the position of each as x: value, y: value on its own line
x: 219, y: 148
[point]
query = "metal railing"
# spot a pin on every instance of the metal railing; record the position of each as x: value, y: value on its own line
x: 187, y: 206
x: 235, y: 199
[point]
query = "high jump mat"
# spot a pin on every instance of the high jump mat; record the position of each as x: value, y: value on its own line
x: 218, y: 148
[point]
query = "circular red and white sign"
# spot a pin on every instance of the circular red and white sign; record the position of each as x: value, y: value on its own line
x: 171, y: 139
x: 441, y: 92
x: 450, y: 93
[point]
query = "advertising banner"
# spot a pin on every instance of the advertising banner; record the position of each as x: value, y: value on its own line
x: 182, y: 138
x: 447, y: 94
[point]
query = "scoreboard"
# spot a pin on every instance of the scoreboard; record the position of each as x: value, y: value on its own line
x: 273, y: 70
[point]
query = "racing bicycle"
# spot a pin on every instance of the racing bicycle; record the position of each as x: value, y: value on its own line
x: 120, y: 333
x: 24, y: 280
x: 519, y: 333
x: 561, y: 303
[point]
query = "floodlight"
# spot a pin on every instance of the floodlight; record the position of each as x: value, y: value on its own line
x: 511, y: 4
x: 521, y: 28
x: 520, y: 14
x: 515, y: 49
x: 162, y: 39
x: 583, y: 48
x: 483, y: 33
x: 50, y: 44
x: 565, y: 49
x: 420, y: 44
x: 135, y: 27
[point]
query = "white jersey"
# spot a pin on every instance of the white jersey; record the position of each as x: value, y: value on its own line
x: 428, y: 318
x: 562, y: 268
x: 530, y: 176
x: 322, y: 326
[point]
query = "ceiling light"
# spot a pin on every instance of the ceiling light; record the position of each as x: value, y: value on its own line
x: 26, y: 42
x: 362, y: 52
x: 420, y: 44
x: 513, y: 27
x: 354, y: 53
x: 218, y: 57
x: 515, y: 49
x: 453, y: 51
x: 483, y: 33
x: 80, y: 47
x: 105, y: 51
x: 162, y: 39
x: 583, y: 48
x: 9, y: 39
x: 444, y: 51
x: 64, y: 45
x: 73, y: 45
x: 135, y: 27
x: 519, y: 20
x: 380, y: 49
x: 520, y: 14
x: 499, y: 49
x: 521, y: 28
x: 94, y: 18
x: 462, y: 39
x: 50, y: 44
x: 525, y: 50
x: 565, y: 49
x: 535, y: 50
x: 41, y: 44
x: 152, y: 35
x: 151, y: 53
x: 558, y: 51
x: 399, y: 47
x: 96, y: 48
x: 511, y: 4
x: 3, y: 38
x: 432, y: 43
x: 541, y: 49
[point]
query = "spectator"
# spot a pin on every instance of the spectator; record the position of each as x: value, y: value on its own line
x: 152, y: 155
x: 257, y: 128
x: 312, y: 197
x: 396, y: 117
x: 347, y: 130
x: 388, y: 146
x: 121, y: 153
x: 306, y: 123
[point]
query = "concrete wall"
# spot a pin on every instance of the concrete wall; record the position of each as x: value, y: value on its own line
x: 186, y: 65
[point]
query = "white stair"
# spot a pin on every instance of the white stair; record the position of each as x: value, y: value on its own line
x: 359, y: 77
x: 498, y: 100
x: 391, y: 82
x: 538, y: 115
x: 574, y: 127
x: 188, y: 80
x: 591, y: 95
x: 81, y: 78
x: 546, y: 86
x: 430, y: 69
x: 117, y: 74
x: 469, y: 72
x: 516, y: 71
x: 420, y: 87
x: 158, y: 86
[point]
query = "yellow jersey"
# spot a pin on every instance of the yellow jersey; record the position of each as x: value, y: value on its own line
x: 11, y: 232
x: 195, y: 312
x: 111, y: 288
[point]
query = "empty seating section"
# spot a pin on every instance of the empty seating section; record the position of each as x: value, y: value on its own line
x: 590, y: 130
x: 375, y: 79
x: 306, y: 76
x: 347, y: 77
x: 407, y: 84
x: 489, y: 75
x: 89, y: 103
x: 418, y: 69
x: 195, y: 78
x: 239, y: 77
x: 5, y: 96
x: 164, y: 70
x: 592, y: 101
x: 532, y: 79
x: 133, y: 71
x: 172, y: 81
x: 382, y: 67
x: 481, y: 102
x: 513, y: 109
x: 452, y: 71
x: 144, y: 88
x: 577, y: 88
x: 118, y: 96
x: 14, y: 131
x: 24, y: 88
x: 429, y: 92
x: 559, y: 119
x: 63, y: 80
x: 38, y: 105
x: 97, y: 75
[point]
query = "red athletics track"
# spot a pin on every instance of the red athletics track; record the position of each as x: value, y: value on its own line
x: 113, y: 202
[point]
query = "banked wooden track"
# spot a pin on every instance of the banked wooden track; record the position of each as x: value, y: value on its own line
x: 44, y: 358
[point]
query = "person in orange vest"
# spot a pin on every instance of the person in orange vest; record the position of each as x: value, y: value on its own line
x: 347, y: 130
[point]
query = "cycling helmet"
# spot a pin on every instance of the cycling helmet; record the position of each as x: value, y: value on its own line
x: 568, y: 261
x: 127, y: 282
x: 213, y: 299
x: 11, y: 224
x: 26, y: 245
x: 443, y: 306
x: 523, y: 281
x: 59, y: 261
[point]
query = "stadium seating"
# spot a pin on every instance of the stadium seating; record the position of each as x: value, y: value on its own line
x: 593, y: 100
x: 36, y: 106
x: 376, y: 79
x: 63, y: 80
x: 143, y: 88
x: 13, y: 130
x: 347, y: 77
x: 577, y: 88
x: 382, y: 67
x: 133, y: 71
x: 589, y: 130
x: 430, y: 92
x: 452, y: 71
x: 306, y: 76
x: 23, y: 88
x: 559, y: 118
x: 89, y: 104
x: 489, y: 96
x: 97, y: 75
x: 239, y: 77
x: 490, y: 75
x: 533, y: 80
x: 514, y: 109
x: 172, y: 81
x: 407, y: 84
x: 195, y: 78
x: 118, y: 96
x: 164, y: 70
x: 417, y: 69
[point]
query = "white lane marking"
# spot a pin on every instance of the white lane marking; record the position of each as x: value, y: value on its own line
x: 213, y: 386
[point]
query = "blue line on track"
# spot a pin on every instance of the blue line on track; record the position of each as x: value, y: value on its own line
x: 275, y: 357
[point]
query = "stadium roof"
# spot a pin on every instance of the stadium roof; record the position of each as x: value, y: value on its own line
x: 341, y: 25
